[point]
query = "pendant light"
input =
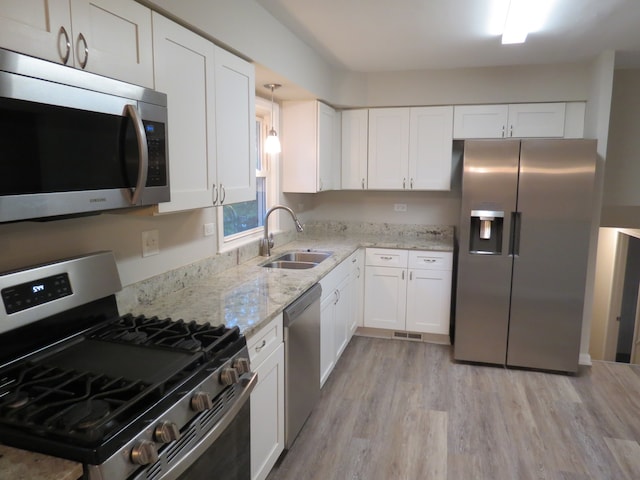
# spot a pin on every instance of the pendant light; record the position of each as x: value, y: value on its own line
x: 272, y: 143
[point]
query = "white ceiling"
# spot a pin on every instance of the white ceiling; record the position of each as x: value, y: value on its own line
x: 397, y: 35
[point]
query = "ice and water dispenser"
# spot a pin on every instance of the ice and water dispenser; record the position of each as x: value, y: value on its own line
x: 486, y: 232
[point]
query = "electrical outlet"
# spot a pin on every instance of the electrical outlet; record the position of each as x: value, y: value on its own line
x: 400, y: 207
x: 209, y: 229
x: 150, y: 243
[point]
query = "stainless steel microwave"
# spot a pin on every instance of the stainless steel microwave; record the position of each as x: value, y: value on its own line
x: 72, y: 142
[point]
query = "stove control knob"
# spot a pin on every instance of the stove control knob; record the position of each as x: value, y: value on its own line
x: 144, y: 453
x: 229, y: 376
x: 241, y: 365
x: 201, y: 401
x: 166, y: 432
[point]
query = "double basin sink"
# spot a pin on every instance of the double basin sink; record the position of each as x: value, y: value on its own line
x: 298, y: 260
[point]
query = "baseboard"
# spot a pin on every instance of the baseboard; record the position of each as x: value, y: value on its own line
x: 402, y: 335
x: 585, y: 359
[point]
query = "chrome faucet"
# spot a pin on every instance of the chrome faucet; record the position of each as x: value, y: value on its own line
x: 266, y: 243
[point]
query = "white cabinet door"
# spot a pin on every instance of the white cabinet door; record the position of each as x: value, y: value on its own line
x: 342, y: 315
x: 267, y: 415
x: 480, y: 121
x: 355, y: 135
x: 192, y: 154
x: 37, y: 27
x: 519, y: 120
x: 108, y: 37
x: 356, y: 266
x: 388, y: 148
x: 327, y: 349
x: 310, y: 147
x: 326, y: 148
x: 113, y: 38
x: 428, y: 301
x: 536, y: 120
x: 235, y: 128
x: 385, y: 297
x: 430, y: 148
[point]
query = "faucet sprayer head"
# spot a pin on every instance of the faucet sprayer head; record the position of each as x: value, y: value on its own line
x: 298, y: 225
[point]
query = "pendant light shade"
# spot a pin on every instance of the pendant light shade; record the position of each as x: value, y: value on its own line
x: 272, y: 142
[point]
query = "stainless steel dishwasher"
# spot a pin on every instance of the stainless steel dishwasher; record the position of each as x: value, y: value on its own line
x: 302, y: 361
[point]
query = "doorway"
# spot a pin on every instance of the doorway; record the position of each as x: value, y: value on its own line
x: 629, y: 304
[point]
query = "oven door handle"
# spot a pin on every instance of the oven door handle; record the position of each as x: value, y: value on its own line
x: 219, y: 428
x: 143, y: 164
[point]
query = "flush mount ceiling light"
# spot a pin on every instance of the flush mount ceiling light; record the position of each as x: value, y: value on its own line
x: 272, y: 143
x: 524, y: 17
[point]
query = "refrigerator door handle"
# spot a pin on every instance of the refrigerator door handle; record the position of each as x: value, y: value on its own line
x: 514, y: 238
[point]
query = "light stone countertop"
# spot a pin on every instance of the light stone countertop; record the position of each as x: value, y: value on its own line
x: 246, y: 295
x: 18, y: 464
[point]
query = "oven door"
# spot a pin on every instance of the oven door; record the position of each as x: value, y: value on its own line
x: 224, y: 453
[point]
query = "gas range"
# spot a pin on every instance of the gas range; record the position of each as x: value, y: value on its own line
x: 127, y: 396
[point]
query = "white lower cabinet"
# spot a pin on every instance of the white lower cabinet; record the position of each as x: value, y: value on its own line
x: 408, y: 290
x: 266, y: 352
x: 336, y: 314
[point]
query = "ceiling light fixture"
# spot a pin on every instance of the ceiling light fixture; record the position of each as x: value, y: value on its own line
x: 272, y: 143
x: 524, y: 17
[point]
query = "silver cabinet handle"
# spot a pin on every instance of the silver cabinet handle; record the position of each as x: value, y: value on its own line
x: 404, y: 183
x: 411, y: 183
x: 215, y: 194
x: 362, y: 183
x: 223, y: 194
x: 143, y: 165
x: 63, y: 33
x: 411, y: 275
x: 429, y: 260
x: 354, y: 260
x: 503, y: 131
x: 83, y: 63
x: 385, y: 257
x: 261, y: 346
x: 402, y: 274
x: 511, y: 130
x: 358, y: 276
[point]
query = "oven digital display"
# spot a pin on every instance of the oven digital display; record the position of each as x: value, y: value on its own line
x: 31, y: 294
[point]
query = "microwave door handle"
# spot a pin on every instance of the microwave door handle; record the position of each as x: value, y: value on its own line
x: 143, y: 166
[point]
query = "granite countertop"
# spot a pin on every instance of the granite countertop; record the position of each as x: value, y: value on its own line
x: 248, y: 296
x: 18, y: 464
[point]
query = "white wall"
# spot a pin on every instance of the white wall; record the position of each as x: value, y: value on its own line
x: 621, y: 202
x: 596, y: 126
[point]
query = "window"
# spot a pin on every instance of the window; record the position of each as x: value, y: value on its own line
x: 245, y: 220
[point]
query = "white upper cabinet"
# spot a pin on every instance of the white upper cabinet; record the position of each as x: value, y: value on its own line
x: 108, y: 37
x: 355, y: 136
x: 192, y: 140
x: 388, y: 166
x: 430, y: 147
x: 520, y: 120
x: 235, y: 128
x: 310, y: 147
x: 211, y: 119
x: 410, y: 148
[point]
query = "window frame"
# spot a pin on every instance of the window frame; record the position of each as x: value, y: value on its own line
x: 270, y: 165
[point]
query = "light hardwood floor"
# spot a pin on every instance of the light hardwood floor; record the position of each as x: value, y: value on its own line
x: 396, y: 410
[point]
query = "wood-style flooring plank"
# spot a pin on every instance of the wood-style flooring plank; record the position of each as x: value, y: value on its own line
x: 396, y: 409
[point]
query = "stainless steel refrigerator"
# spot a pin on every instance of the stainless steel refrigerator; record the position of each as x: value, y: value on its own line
x: 527, y: 209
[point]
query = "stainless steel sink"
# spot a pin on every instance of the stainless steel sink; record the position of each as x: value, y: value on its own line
x: 289, y: 264
x: 300, y: 259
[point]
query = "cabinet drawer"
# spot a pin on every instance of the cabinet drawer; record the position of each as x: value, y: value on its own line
x: 385, y: 257
x: 265, y: 341
x: 427, y: 260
